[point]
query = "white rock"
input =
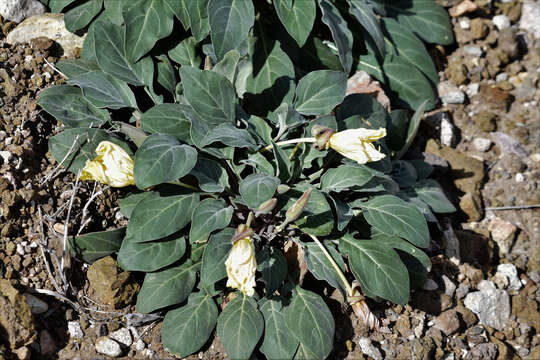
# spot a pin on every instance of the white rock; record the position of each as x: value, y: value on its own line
x: 149, y: 353
x: 510, y: 272
x: 492, y: 306
x: 472, y: 89
x: 140, y: 345
x: 108, y: 347
x: 368, y: 348
x: 501, y: 77
x: 6, y: 156
x: 37, y: 306
x: 481, y: 144
x: 450, y: 93
x: 74, y: 329
x: 520, y: 177
x: 502, y: 232
x: 48, y: 25
x: 449, y: 286
x: 123, y: 336
x: 530, y: 13
x: 465, y: 23
x: 448, y: 136
x: 20, y: 249
x: 472, y: 50
x: 18, y: 10
x: 501, y: 22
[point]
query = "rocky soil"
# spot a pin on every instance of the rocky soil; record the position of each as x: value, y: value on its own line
x: 481, y: 299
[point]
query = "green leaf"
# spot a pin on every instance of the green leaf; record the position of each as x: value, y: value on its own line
x: 185, y: 330
x: 209, y: 215
x: 167, y: 287
x: 423, y: 169
x: 277, y: 342
x: 210, y: 94
x: 157, y: 217
x: 180, y: 10
x: 161, y: 158
x: 283, y: 168
x: 269, y: 79
x: 146, y: 23
x: 320, y: 91
x: 414, y: 125
x: 317, y: 218
x: 255, y: 189
x: 273, y: 267
x: 404, y: 173
x: 111, y: 54
x: 397, y: 129
x: 215, y: 254
x: 367, y: 18
x: 297, y: 17
x: 166, y: 74
x: 230, y: 22
x: 400, y: 244
x: 96, y: 245
x: 151, y: 256
x: 240, y: 326
x: 371, y: 114
x: 340, y: 33
x: 409, y: 47
x: 286, y: 118
x: 378, y: 268
x: 57, y: 6
x: 74, y: 67
x: 321, y: 267
x: 431, y: 192
x: 227, y: 65
x: 72, y: 147
x: 67, y: 104
x: 128, y: 203
x: 211, y: 175
x: 304, y: 353
x: 425, y: 18
x: 344, y: 213
x: 185, y: 54
x: 198, y: 18
x: 88, y: 51
x: 102, y: 90
x: 345, y: 177
x: 411, y: 86
x: 311, y: 322
x: 410, y: 196
x: 168, y: 119
x: 113, y: 10
x: 393, y: 216
x: 230, y: 135
x: 259, y: 162
x: 79, y: 16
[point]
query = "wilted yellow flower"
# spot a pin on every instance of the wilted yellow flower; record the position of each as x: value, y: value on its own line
x: 356, y: 144
x: 112, y: 166
x: 241, y: 264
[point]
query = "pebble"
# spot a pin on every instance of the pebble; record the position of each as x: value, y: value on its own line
x: 520, y: 177
x: 6, y: 156
x: 140, y: 345
x: 448, y: 135
x: 18, y: 10
x: 492, y: 306
x: 37, y: 306
x: 123, y: 336
x: 530, y: 13
x: 450, y: 93
x: 501, y: 22
x: 447, y: 322
x: 449, y: 286
x: 502, y: 232
x: 510, y: 272
x: 462, y: 290
x: 74, y: 329
x: 472, y: 50
x: 465, y: 23
x: 482, y: 144
x: 108, y: 347
x: 369, y: 349
x: 20, y: 249
x: 501, y: 77
x: 472, y: 89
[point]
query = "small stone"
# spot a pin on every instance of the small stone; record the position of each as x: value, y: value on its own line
x: 450, y: 93
x: 465, y: 23
x: 467, y: 316
x: 501, y: 22
x: 447, y: 322
x: 471, y: 205
x: 16, y: 319
x: 403, y: 326
x: 481, y: 144
x: 502, y: 232
x: 530, y: 13
x: 501, y: 77
x: 472, y: 50
x: 140, y: 345
x: 519, y: 177
x: 123, y: 336
x: 430, y: 285
x: 461, y: 291
x: 18, y: 10
x: 74, y: 330
x: 449, y: 286
x: 492, y: 306
x: 472, y: 89
x: 508, y: 144
x: 37, y: 306
x: 510, y: 272
x: 149, y: 353
x: 448, y: 136
x: 485, y: 351
x: 463, y: 7
x: 23, y: 353
x: 486, y: 121
x: 108, y: 347
x: 369, y: 349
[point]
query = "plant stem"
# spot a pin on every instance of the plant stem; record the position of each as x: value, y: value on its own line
x: 292, y: 141
x: 183, y: 184
x: 334, y: 264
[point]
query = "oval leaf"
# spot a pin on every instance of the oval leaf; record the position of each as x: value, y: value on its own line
x: 208, y: 216
x: 214, y: 256
x: 96, y: 245
x: 168, y: 119
x: 150, y: 256
x: 255, y: 189
x: 345, y: 177
x: 431, y: 192
x: 320, y: 91
x: 297, y: 17
x: 277, y: 342
x: 341, y: 34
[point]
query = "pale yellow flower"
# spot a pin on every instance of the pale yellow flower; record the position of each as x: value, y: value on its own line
x: 356, y: 144
x: 241, y: 266
x: 112, y: 166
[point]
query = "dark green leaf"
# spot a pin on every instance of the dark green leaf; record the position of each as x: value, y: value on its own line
x: 74, y: 67
x: 209, y: 215
x: 317, y: 218
x: 431, y: 192
x: 414, y: 125
x: 211, y: 175
x: 321, y: 267
x: 258, y: 188
x: 297, y: 17
x: 404, y: 173
x: 166, y: 74
x: 397, y: 129
x: 167, y: 287
x: 161, y: 158
x: 273, y: 267
x: 344, y: 213
x: 311, y: 322
x: 320, y: 91
x: 230, y: 135
x: 283, y: 168
x: 128, y: 203
x: 365, y: 16
x: 345, y: 177
x: 156, y: 217
x: 227, y: 65
x: 400, y: 244
x: 168, y: 119
x: 96, y: 245
x: 79, y: 16
x: 240, y: 326
x: 215, y: 254
x: 113, y: 10
x: 278, y: 342
x: 151, y: 256
x: 198, y: 18
x: 371, y: 114
x: 185, y: 330
x: 340, y: 33
x: 185, y: 54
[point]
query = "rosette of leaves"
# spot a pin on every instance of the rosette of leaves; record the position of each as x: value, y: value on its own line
x: 196, y: 90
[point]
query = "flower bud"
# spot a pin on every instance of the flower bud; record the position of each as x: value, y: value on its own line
x: 294, y: 212
x: 112, y: 166
x: 266, y: 207
x: 241, y: 263
x: 322, y: 134
x: 282, y: 189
